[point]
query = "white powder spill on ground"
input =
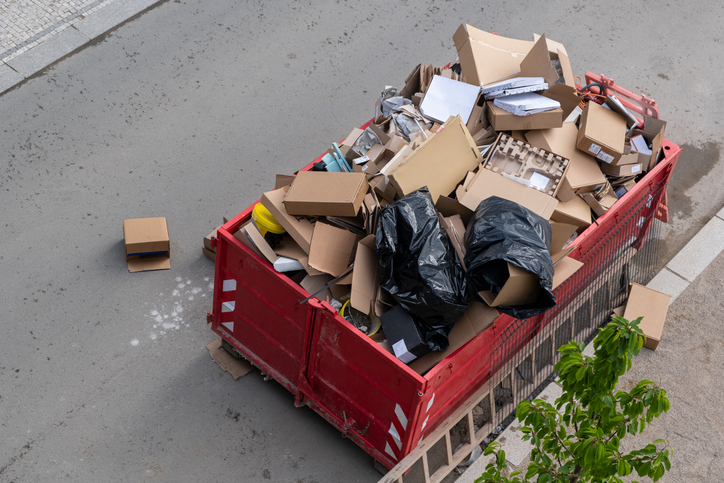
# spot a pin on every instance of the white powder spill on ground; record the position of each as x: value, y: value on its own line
x: 167, y: 316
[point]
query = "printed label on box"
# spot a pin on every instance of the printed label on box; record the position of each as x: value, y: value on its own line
x: 606, y: 158
x: 400, y: 350
x: 636, y: 169
x: 594, y: 148
x: 362, y: 159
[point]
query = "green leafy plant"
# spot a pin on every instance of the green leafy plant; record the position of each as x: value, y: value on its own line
x: 579, y: 438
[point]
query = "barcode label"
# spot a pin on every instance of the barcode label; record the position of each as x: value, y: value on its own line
x: 594, y: 148
x: 606, y: 158
x: 636, y: 169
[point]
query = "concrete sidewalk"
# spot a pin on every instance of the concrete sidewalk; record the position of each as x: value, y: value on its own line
x: 685, y: 364
x: 37, y: 33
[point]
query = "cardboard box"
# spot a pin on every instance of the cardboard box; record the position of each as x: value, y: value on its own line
x: 331, y: 249
x: 403, y: 335
x: 456, y: 231
x: 534, y: 166
x: 448, y: 207
x: 652, y: 306
x: 147, y: 244
x: 318, y: 193
x: 653, y: 131
x: 424, y: 167
x: 207, y: 250
x: 485, y: 184
x: 299, y: 228
x: 602, y: 133
x: 574, y: 212
x: 583, y: 172
x: 502, y: 120
x: 475, y: 320
x: 518, y: 286
x: 486, y: 58
x: 621, y: 170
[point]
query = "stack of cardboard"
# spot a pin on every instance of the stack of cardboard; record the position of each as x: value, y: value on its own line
x: 568, y: 165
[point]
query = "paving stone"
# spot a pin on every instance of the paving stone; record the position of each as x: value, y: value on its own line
x: 669, y: 283
x: 47, y: 52
x: 700, y: 251
x: 8, y: 77
x: 111, y: 15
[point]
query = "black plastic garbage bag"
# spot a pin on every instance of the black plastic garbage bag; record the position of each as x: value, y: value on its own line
x: 420, y: 268
x: 503, y: 231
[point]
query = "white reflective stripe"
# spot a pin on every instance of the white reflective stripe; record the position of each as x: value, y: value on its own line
x: 430, y: 403
x: 424, y: 423
x: 641, y: 222
x: 228, y: 306
x: 401, y: 416
x: 228, y: 325
x: 419, y: 442
x: 395, y: 436
x: 229, y: 285
x: 388, y: 450
x: 648, y: 201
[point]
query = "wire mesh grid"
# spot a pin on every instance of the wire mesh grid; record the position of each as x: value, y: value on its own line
x: 527, y: 352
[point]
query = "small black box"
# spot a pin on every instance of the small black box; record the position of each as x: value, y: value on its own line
x: 403, y: 335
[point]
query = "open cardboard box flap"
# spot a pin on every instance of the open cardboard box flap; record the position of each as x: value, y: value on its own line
x: 331, y: 249
x: 486, y: 58
x: 365, y: 278
x: 423, y: 167
x: 300, y: 229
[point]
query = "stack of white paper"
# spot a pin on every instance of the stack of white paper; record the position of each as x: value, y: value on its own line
x: 446, y: 97
x: 516, y: 85
x: 526, y: 104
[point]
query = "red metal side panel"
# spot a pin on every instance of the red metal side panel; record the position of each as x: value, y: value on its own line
x: 363, y: 390
x: 261, y: 317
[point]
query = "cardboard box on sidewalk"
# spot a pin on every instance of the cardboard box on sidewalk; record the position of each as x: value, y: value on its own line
x: 147, y: 244
x: 652, y: 306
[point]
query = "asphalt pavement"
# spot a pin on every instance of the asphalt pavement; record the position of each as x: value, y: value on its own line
x: 187, y: 109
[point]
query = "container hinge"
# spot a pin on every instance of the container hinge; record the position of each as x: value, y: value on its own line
x: 209, y: 317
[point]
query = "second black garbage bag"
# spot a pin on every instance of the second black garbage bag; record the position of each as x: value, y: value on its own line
x: 502, y: 238
x: 420, y: 268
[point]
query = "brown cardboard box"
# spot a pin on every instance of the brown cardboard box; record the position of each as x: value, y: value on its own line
x: 331, y: 249
x: 521, y: 286
x: 502, y: 120
x: 449, y: 207
x: 486, y: 58
x: 300, y: 229
x: 542, y: 169
x: 574, y: 212
x: 147, y: 244
x: 583, y: 172
x: 476, y: 319
x: 319, y: 193
x: 423, y: 167
x: 602, y: 133
x: 653, y: 131
x: 621, y: 170
x: 486, y: 183
x: 456, y: 231
x: 652, y: 306
x: 207, y: 250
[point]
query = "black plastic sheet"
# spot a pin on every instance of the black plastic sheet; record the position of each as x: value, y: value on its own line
x: 420, y: 268
x: 504, y: 231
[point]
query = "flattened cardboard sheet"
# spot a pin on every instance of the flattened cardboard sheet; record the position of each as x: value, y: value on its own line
x: 236, y: 367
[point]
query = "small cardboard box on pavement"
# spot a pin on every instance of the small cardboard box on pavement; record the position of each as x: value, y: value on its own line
x: 147, y: 244
x: 652, y: 306
x: 602, y: 133
x: 319, y: 193
x: 207, y: 249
